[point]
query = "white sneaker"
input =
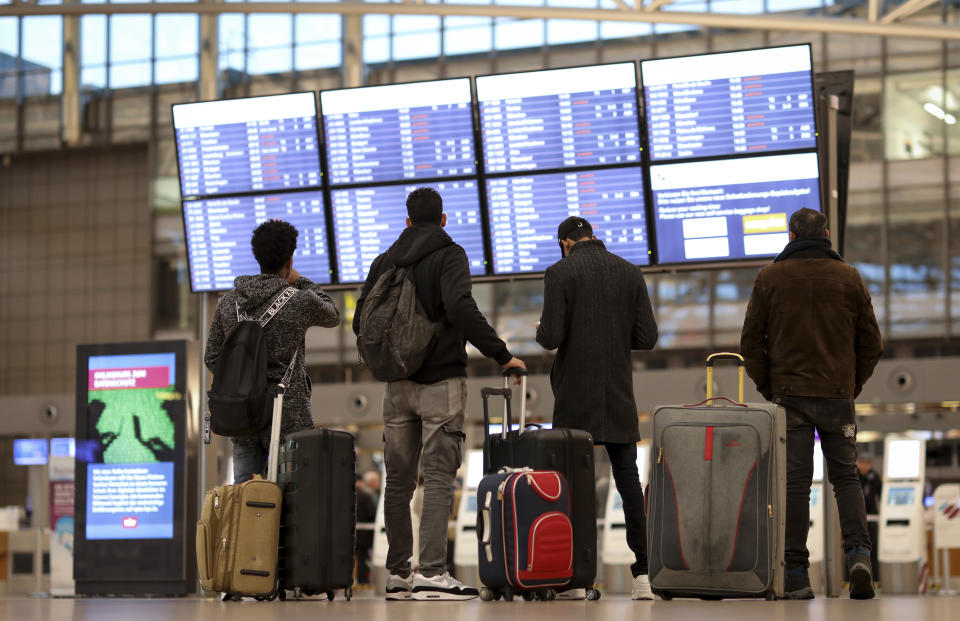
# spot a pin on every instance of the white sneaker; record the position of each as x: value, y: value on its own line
x: 572, y: 594
x: 641, y: 588
x: 399, y: 589
x: 443, y: 587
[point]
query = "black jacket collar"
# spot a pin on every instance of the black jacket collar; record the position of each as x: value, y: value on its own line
x: 807, y: 248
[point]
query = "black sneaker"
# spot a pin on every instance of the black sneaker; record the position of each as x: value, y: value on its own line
x: 861, y: 576
x: 796, y: 584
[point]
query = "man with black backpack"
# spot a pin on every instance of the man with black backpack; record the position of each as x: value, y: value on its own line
x: 413, y: 319
x: 262, y: 323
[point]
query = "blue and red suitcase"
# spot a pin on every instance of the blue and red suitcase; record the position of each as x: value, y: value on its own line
x: 525, y: 534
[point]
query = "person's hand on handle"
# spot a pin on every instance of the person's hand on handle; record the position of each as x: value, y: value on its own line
x: 515, y: 363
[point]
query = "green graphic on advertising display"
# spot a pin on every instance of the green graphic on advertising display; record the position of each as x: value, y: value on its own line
x: 133, y: 424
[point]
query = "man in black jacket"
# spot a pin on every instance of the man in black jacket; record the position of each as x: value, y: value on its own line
x: 810, y: 342
x: 595, y: 312
x: 425, y: 411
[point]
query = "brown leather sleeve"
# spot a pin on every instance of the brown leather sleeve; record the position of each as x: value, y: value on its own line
x: 867, y: 340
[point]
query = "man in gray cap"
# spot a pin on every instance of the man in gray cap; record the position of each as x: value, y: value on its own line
x: 595, y: 312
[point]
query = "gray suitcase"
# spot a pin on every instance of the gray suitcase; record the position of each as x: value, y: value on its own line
x: 717, y: 497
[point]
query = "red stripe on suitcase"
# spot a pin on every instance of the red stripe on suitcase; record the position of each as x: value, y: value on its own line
x: 708, y: 447
x: 676, y: 504
x: 736, y: 535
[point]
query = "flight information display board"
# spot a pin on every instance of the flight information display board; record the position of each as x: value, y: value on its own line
x: 730, y: 209
x: 219, y: 231
x: 729, y: 103
x: 368, y: 220
x: 525, y: 211
x: 560, y: 118
x: 246, y: 145
x: 421, y: 130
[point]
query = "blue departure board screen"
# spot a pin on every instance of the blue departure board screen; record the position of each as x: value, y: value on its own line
x: 730, y: 209
x: 526, y: 209
x: 219, y: 232
x: 246, y: 145
x: 421, y: 130
x: 729, y: 103
x: 559, y: 118
x: 368, y: 220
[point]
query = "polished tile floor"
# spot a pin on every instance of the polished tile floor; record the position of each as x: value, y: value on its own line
x: 367, y: 607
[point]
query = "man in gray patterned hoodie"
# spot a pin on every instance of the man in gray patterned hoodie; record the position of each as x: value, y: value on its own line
x: 273, y: 245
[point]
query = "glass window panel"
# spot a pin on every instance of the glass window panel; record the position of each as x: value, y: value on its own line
x: 560, y: 31
x: 376, y: 25
x: 743, y: 7
x: 467, y: 35
x: 376, y: 49
x: 93, y: 40
x: 266, y: 31
x: 232, y: 37
x: 518, y: 33
x: 682, y: 309
x: 130, y: 38
x: 8, y: 35
x: 775, y: 6
x: 416, y: 45
x: 178, y: 70
x: 129, y: 73
x: 415, y: 23
x: 270, y: 60
x: 917, y: 110
x: 315, y: 56
x: 617, y: 30
x: 576, y: 4
x: 317, y: 29
x: 42, y: 54
x: 519, y: 2
x: 93, y: 77
x: 951, y: 105
x: 177, y: 35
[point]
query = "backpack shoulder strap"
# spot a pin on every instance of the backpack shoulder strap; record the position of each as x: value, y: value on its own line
x: 278, y: 303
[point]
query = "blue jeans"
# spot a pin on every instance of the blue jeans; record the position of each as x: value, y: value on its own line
x: 249, y: 458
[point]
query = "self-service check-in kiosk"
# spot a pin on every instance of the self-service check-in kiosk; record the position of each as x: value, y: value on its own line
x: 815, y: 534
x: 616, y: 555
x: 946, y: 533
x: 465, y: 561
x: 902, y: 539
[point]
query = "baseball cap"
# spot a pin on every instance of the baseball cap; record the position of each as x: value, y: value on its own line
x: 571, y: 224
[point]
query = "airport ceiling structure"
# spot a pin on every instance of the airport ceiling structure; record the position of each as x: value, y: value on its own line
x: 894, y: 22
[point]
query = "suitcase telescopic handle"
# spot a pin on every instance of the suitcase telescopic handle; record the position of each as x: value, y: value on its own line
x: 711, y: 359
x: 507, y: 374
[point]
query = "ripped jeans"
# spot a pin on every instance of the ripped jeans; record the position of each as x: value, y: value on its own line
x: 422, y: 431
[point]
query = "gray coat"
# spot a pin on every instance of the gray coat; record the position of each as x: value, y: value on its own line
x: 285, y: 334
x: 595, y: 311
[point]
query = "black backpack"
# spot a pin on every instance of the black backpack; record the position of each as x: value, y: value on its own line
x: 238, y: 400
x: 395, y: 334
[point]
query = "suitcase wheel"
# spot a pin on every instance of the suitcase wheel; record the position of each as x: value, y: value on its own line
x: 770, y: 596
x: 508, y: 595
x: 711, y: 598
x: 487, y: 595
x: 348, y: 593
x: 529, y: 595
x: 592, y: 594
x: 665, y: 595
x: 331, y: 595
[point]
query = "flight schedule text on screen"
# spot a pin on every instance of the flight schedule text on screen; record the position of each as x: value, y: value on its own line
x: 218, y: 232
x: 246, y: 145
x: 561, y: 118
x: 368, y: 220
x: 753, y: 101
x: 402, y: 131
x: 526, y: 209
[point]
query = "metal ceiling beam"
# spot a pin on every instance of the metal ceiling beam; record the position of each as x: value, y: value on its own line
x: 656, y: 4
x: 793, y: 23
x: 906, y: 9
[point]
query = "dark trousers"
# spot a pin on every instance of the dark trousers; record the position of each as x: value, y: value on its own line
x: 835, y: 422
x: 623, y: 460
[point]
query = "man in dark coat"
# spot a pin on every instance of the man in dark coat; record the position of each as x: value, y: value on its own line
x: 810, y: 341
x: 595, y: 312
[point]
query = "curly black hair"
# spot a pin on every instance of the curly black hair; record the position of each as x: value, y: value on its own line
x: 424, y: 206
x: 273, y: 243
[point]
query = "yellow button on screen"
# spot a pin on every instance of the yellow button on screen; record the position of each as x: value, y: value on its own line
x: 766, y: 223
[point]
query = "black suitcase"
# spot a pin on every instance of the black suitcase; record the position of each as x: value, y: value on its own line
x: 568, y: 451
x: 319, y: 516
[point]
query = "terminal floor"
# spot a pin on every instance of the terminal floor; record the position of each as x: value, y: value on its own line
x: 366, y: 607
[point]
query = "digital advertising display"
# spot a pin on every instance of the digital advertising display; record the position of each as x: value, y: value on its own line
x: 366, y: 222
x: 131, y: 459
x: 731, y: 208
x: 218, y: 232
x: 525, y: 210
x: 421, y: 130
x: 559, y: 118
x: 29, y: 452
x: 246, y: 145
x: 751, y: 101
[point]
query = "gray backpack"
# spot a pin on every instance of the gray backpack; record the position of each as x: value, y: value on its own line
x: 395, y: 333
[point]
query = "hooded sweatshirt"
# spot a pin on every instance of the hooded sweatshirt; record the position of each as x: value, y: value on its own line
x: 442, y: 278
x: 285, y: 335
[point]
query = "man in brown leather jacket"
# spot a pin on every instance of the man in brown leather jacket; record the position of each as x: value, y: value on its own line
x: 811, y: 341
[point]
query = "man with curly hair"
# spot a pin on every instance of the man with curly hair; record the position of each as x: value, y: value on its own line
x: 273, y: 245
